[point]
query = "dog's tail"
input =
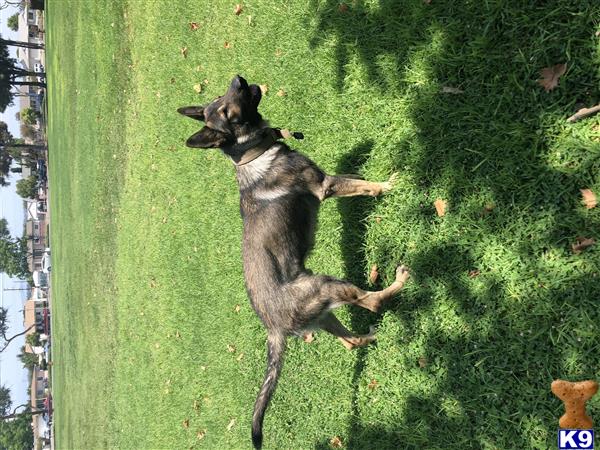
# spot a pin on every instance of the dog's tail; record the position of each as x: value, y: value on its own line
x: 276, y: 344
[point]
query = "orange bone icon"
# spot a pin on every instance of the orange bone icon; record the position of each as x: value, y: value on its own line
x: 574, y: 396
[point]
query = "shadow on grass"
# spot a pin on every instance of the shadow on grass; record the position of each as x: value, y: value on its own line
x: 529, y: 315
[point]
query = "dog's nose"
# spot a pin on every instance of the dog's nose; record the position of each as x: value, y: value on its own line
x: 239, y: 83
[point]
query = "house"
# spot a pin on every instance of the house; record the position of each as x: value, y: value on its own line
x: 36, y: 313
x: 40, y: 399
x: 36, y: 232
x: 31, y: 29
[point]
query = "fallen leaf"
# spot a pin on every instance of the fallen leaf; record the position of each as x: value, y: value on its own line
x: 240, y: 356
x: 237, y: 308
x: 281, y: 93
x: 374, y: 274
x: 186, y: 423
x: 489, y: 207
x: 474, y: 273
x: 581, y: 244
x: 427, y: 2
x: 263, y: 88
x: 184, y: 51
x: 230, y: 348
x: 378, y: 219
x: 336, y: 442
x: 440, y: 207
x: 231, y: 424
x: 227, y: 45
x: 422, y: 362
x: 308, y: 337
x: 238, y: 9
x: 589, y: 198
x: 198, y: 88
x: 550, y: 76
x: 343, y: 8
x: 373, y: 384
x: 194, y: 26
x: 200, y: 434
x: 452, y: 90
x: 278, y: 53
x: 196, y: 405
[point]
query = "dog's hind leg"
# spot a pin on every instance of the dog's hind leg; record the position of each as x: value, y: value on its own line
x: 340, y: 186
x: 332, y: 325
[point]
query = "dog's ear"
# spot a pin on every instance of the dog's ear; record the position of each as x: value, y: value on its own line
x: 207, y: 138
x: 195, y: 112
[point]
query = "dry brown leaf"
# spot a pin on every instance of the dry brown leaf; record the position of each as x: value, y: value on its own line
x: 198, y: 88
x: 194, y: 26
x: 200, y: 434
x: 427, y: 2
x: 263, y: 88
x: 231, y: 424
x: 440, y: 207
x: 336, y: 442
x: 186, y: 423
x: 589, y: 198
x: 452, y: 90
x: 550, y: 76
x: 238, y: 9
x: 474, y: 273
x: 227, y: 44
x: 343, y: 8
x: 237, y: 308
x: 281, y: 93
x: 422, y: 362
x: 374, y: 274
x: 230, y: 348
x: 184, y: 52
x: 581, y: 244
x: 196, y: 405
x: 240, y: 356
x: 278, y: 53
x: 378, y: 219
x: 373, y: 384
x: 308, y: 337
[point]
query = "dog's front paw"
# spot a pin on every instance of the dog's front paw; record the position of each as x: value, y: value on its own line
x: 402, y: 274
x: 388, y: 185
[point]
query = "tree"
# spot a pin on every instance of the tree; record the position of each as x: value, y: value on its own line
x: 13, y: 258
x: 27, y: 131
x: 16, y: 434
x: 29, y: 360
x: 11, y: 74
x: 33, y: 339
x: 4, y: 329
x: 30, y: 116
x: 13, y: 22
x: 26, y: 187
x: 5, y: 401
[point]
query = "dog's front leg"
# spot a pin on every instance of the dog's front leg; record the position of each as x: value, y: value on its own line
x: 338, y: 186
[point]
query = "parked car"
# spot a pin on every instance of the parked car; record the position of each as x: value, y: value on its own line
x: 41, y: 170
x: 46, y: 261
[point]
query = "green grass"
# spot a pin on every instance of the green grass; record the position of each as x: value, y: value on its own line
x: 146, y: 233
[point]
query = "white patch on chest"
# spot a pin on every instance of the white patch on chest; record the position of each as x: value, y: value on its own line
x: 253, y: 171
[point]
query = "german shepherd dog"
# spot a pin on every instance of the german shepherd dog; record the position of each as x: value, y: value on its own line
x: 280, y: 194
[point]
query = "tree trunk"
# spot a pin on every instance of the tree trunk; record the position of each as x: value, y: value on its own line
x: 28, y: 83
x: 15, y: 414
x: 8, y: 341
x: 21, y: 43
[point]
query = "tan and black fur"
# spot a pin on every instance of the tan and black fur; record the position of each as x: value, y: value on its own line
x: 280, y: 194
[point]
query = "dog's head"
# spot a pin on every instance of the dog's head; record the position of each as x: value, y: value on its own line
x: 229, y: 119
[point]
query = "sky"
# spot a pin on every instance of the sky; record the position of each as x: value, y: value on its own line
x: 12, y: 373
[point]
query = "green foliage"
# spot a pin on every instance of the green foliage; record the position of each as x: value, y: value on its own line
x: 13, y: 22
x: 147, y: 272
x: 30, y: 116
x: 13, y: 253
x: 29, y: 360
x: 5, y: 400
x: 26, y: 187
x: 16, y: 434
x: 33, y: 339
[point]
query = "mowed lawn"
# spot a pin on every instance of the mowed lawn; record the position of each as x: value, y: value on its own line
x: 150, y: 348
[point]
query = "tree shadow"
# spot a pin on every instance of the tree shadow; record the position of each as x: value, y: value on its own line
x: 522, y: 324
